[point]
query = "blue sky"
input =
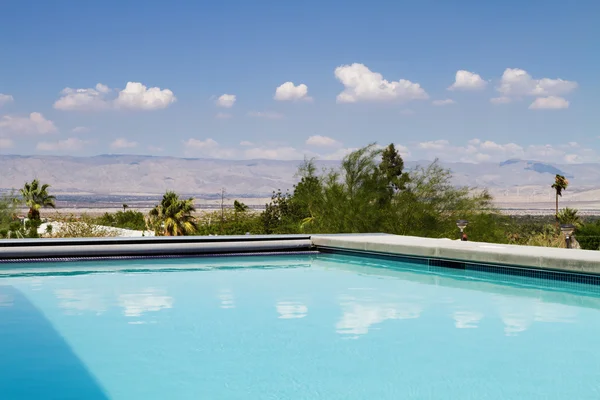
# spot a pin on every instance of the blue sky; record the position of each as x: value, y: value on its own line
x: 373, y: 71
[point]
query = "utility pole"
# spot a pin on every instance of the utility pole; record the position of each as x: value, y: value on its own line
x: 222, y: 206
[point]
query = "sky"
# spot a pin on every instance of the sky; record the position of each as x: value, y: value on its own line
x: 469, y: 81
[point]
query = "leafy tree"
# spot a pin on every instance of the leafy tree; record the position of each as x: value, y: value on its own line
x: 10, y: 226
x: 560, y: 184
x: 282, y: 214
x: 364, y: 196
x: 173, y: 216
x: 36, y: 197
x: 239, y: 206
x: 392, y: 168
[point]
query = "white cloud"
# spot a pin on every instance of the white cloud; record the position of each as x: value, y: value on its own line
x: 223, y: 115
x: 507, y: 148
x: 477, y: 150
x: 322, y: 141
x: 102, y: 88
x: 136, y: 96
x: 445, y: 102
x: 34, y: 124
x: 265, y: 114
x: 226, y: 100
x: 208, y: 148
x: 202, y: 144
x: 362, y: 84
x: 549, y: 103
x: 5, y: 99
x: 336, y: 155
x: 517, y: 82
x: 465, y: 80
x: 288, y: 92
x: 122, y: 143
x: 246, y: 143
x: 80, y: 129
x: 500, y: 100
x: 434, y: 144
x: 6, y: 143
x: 277, y: 153
x: 83, y: 99
x: 69, y: 144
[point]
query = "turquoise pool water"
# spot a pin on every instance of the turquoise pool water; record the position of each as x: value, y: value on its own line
x: 296, y: 327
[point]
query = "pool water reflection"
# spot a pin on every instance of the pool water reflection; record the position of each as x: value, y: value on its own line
x: 314, y: 327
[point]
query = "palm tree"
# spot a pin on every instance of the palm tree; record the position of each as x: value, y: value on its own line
x: 560, y: 184
x: 173, y: 216
x: 569, y: 216
x: 36, y: 197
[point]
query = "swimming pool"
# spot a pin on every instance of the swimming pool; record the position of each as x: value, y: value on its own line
x: 320, y: 326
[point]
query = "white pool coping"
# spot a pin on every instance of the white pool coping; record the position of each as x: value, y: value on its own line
x: 567, y: 260
x: 571, y: 260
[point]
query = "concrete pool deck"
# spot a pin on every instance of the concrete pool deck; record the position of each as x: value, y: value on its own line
x: 568, y: 260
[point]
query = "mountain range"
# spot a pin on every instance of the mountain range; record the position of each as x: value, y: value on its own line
x: 153, y: 175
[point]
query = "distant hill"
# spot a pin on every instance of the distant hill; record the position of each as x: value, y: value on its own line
x: 149, y: 175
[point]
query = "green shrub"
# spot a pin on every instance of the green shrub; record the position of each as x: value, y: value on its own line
x: 129, y: 219
x: 230, y: 222
x: 588, y: 236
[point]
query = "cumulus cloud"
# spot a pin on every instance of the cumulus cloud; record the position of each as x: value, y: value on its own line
x: 445, y: 102
x: 122, y: 143
x: 226, y: 100
x: 465, y: 80
x: 322, y: 141
x: 265, y: 114
x: 69, y: 144
x: 274, y: 153
x: 223, y: 115
x: 6, y: 143
x: 80, y: 129
x: 207, y: 148
x: 362, y: 84
x: 202, y: 144
x: 210, y: 148
x: 516, y: 82
x: 83, y: 99
x: 549, y: 103
x: 500, y: 100
x: 289, y: 92
x: 337, y: 155
x: 477, y: 150
x: 434, y: 144
x: 5, y: 99
x: 35, y: 123
x: 135, y: 96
